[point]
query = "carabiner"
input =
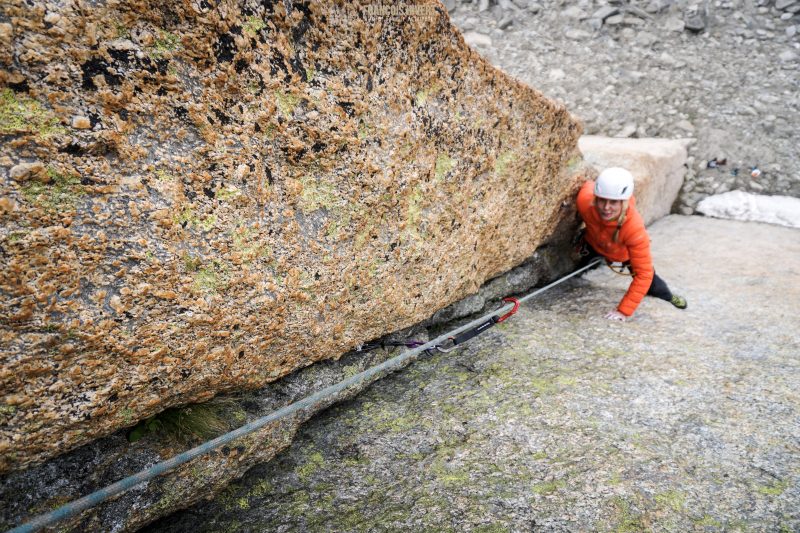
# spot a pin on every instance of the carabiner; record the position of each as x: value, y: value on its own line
x: 514, y: 310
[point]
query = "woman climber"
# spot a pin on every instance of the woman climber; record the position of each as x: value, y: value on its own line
x: 615, y: 230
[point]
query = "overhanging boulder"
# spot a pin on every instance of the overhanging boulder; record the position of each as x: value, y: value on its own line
x: 199, y: 199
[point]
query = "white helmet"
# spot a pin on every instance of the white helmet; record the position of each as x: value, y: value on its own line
x: 614, y: 183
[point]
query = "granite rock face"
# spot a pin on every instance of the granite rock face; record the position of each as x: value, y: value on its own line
x: 202, y: 197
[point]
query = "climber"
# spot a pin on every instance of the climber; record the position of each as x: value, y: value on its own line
x: 615, y: 230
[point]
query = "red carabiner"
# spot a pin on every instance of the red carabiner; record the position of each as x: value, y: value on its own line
x: 514, y: 310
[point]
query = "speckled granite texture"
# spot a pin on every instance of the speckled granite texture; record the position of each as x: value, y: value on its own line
x: 199, y: 197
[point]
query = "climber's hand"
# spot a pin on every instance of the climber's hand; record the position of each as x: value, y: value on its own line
x: 616, y: 315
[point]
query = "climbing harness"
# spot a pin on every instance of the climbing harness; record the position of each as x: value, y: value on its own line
x: 621, y: 269
x: 456, y: 336
x: 581, y: 249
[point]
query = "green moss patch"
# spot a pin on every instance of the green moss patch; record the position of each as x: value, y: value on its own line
x: 775, y: 489
x: 671, y: 499
x: 210, y: 278
x: 627, y: 520
x: 246, y: 242
x: 414, y: 212
x: 166, y: 42
x: 318, y: 194
x: 707, y: 521
x: 502, y: 163
x: 253, y: 25
x: 444, y: 164
x: 188, y: 219
x: 22, y: 114
x: 191, y: 423
x: 315, y: 462
x: 286, y: 103
x: 548, y: 487
x: 61, y: 194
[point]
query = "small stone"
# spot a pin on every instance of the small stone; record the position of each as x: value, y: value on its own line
x: 685, y: 125
x: 507, y: 5
x: 81, y: 123
x: 469, y: 23
x: 534, y: 7
x: 557, y: 74
x: 787, y: 56
x: 483, y: 5
x: 645, y: 39
x: 574, y: 12
x: 450, y: 5
x: 791, y: 31
x: 521, y: 4
x: 656, y: 6
x: 674, y: 24
x: 604, y: 12
x: 497, y: 12
x: 631, y: 20
x: 782, y: 5
x: 577, y: 35
x: 695, y: 23
x: 474, y: 38
x: 614, y: 20
x: 628, y: 130
x: 27, y: 171
x: 594, y: 23
x: 666, y: 59
x: 506, y: 21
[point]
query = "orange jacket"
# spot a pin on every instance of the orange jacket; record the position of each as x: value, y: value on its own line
x: 632, y: 245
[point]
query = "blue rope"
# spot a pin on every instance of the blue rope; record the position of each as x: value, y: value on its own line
x: 95, y: 498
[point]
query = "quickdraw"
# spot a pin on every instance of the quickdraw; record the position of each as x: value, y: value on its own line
x: 462, y: 337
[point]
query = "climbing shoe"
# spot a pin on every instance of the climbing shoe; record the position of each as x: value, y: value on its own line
x: 678, y: 301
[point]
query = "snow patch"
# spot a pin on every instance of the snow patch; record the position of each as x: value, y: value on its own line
x: 740, y: 205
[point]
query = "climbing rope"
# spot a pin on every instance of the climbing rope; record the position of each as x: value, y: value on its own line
x: 456, y: 336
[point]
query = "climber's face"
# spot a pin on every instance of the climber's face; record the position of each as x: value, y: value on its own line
x: 608, y: 209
